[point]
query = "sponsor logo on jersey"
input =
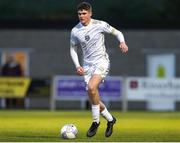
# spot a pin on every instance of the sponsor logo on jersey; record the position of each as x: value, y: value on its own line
x: 87, y: 37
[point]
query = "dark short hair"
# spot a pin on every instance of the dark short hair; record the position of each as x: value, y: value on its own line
x: 84, y: 6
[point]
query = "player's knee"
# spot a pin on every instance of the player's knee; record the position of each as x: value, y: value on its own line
x: 91, y: 89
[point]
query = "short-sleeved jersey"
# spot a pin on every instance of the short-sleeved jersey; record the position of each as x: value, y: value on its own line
x: 91, y: 39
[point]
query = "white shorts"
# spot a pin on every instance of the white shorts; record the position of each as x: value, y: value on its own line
x: 101, y: 68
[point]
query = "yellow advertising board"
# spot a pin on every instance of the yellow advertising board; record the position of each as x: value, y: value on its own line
x: 14, y: 87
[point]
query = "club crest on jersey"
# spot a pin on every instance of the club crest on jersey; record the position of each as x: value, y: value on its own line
x: 87, y: 37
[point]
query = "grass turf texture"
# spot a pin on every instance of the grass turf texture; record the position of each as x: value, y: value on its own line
x: 44, y: 126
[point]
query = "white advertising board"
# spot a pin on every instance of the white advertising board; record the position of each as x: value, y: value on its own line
x: 160, y: 94
x: 161, y: 65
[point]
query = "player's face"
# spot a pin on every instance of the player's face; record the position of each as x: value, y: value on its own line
x: 84, y: 16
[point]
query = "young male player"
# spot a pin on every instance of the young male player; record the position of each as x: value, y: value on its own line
x: 89, y: 35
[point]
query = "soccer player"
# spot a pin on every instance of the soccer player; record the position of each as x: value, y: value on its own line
x: 88, y: 34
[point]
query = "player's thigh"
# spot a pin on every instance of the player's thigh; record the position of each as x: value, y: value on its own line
x: 94, y: 81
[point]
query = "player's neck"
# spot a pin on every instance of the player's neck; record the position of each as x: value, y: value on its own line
x: 87, y: 23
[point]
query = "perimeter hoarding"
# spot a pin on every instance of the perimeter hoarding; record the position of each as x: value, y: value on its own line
x: 74, y: 88
x: 160, y: 94
x: 12, y: 87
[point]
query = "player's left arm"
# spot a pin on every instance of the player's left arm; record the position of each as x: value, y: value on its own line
x: 119, y: 35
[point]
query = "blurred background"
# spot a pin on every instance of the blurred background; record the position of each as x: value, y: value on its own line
x: 34, y: 34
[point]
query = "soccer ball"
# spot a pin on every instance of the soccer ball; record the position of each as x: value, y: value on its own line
x: 69, y: 131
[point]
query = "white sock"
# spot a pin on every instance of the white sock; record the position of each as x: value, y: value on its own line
x: 106, y: 115
x: 95, y: 113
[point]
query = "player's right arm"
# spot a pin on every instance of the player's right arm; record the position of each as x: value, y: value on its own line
x: 74, y: 55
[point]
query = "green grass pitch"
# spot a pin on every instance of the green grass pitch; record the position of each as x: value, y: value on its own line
x: 44, y: 126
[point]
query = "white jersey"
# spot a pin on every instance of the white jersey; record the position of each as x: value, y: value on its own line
x: 91, y: 39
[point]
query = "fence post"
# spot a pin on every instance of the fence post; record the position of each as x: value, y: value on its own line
x: 52, y: 94
x: 124, y: 95
x: 3, y: 103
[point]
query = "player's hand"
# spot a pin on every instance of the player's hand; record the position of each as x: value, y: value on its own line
x: 80, y: 71
x: 123, y: 47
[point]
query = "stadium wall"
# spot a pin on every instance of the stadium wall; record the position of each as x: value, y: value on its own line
x: 50, y: 50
